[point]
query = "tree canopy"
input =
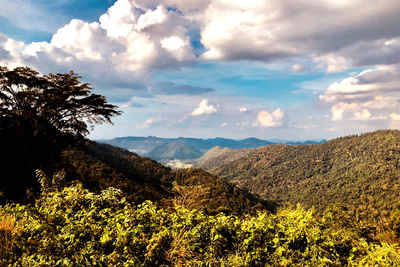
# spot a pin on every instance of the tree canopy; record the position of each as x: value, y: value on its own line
x: 60, y: 100
x: 40, y: 115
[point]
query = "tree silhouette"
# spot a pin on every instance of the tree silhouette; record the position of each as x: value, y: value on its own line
x: 39, y: 116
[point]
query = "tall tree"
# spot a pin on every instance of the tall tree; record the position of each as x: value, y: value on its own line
x: 39, y: 116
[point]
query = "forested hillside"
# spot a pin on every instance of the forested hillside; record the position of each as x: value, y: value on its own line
x: 218, y: 156
x: 99, y: 166
x: 362, y: 172
x: 174, y: 150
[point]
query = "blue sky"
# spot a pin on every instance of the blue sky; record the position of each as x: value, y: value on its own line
x: 207, y: 68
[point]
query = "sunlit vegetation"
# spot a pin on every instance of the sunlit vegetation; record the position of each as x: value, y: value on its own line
x: 72, y: 226
x: 360, y: 172
x: 107, y: 206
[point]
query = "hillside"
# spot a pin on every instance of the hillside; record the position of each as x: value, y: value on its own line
x: 361, y: 172
x: 218, y: 156
x: 99, y: 166
x: 144, y: 145
x: 174, y: 150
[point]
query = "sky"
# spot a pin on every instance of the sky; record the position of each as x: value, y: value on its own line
x: 220, y: 68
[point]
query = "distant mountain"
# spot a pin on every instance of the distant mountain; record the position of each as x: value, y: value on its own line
x: 218, y: 156
x: 361, y: 172
x: 145, y: 144
x: 174, y: 150
x: 139, y: 145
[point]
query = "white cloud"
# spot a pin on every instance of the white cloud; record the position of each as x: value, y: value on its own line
x: 269, y: 29
x: 224, y: 124
x: 298, y: 68
x: 243, y: 110
x: 136, y: 36
x: 125, y: 46
x: 266, y: 119
x: 151, y: 121
x: 372, y: 91
x: 204, y: 108
x: 395, y: 116
x: 395, y: 121
x: 363, y: 115
x: 334, y: 63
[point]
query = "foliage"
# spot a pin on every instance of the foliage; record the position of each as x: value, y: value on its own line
x: 59, y: 100
x: 99, y: 166
x: 359, y: 172
x: 218, y: 156
x: 40, y: 115
x: 74, y: 227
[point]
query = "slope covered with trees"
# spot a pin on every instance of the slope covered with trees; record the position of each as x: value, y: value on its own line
x: 174, y: 150
x: 361, y: 172
x: 99, y: 166
x: 218, y: 156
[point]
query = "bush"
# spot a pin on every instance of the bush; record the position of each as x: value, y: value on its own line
x: 73, y: 227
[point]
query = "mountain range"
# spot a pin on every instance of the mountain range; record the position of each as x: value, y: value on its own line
x: 162, y: 149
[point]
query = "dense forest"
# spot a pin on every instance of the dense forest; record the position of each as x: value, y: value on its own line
x: 69, y: 201
x: 71, y: 226
x: 99, y: 166
x: 218, y: 156
x: 360, y: 172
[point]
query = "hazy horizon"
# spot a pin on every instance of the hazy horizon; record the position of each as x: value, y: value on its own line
x: 268, y: 69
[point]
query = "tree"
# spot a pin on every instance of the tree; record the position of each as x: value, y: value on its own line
x: 59, y: 100
x: 39, y: 116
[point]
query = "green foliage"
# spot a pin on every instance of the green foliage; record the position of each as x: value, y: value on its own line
x: 74, y: 227
x: 99, y: 166
x: 359, y: 172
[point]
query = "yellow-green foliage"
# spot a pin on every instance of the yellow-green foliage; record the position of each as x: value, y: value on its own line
x: 74, y: 227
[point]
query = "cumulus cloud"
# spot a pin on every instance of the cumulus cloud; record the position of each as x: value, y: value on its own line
x: 395, y: 121
x: 372, y: 90
x: 363, y: 115
x: 334, y: 63
x: 137, y: 36
x: 151, y: 121
x: 270, y: 29
x: 267, y: 119
x: 204, y: 108
x: 395, y: 116
x: 243, y: 110
x: 126, y: 44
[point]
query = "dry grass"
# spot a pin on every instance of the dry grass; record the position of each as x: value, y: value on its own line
x: 9, y: 229
x: 190, y: 197
x: 180, y: 253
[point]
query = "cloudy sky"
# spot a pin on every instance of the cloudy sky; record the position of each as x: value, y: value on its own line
x: 231, y: 68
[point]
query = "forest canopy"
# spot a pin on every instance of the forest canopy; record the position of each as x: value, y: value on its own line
x: 40, y: 115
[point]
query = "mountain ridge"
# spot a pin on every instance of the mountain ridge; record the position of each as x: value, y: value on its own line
x: 144, y: 145
x: 361, y: 172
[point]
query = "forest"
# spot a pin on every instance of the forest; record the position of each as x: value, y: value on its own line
x: 360, y: 172
x: 70, y: 201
